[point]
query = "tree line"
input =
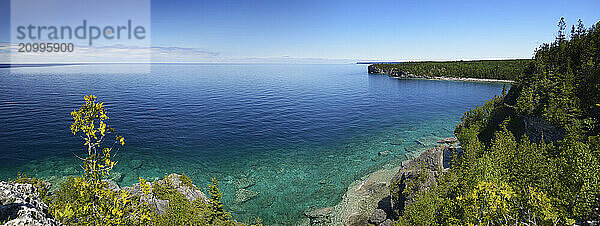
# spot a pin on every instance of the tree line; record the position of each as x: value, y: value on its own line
x: 531, y: 155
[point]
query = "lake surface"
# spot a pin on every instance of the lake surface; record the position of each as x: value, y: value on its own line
x: 299, y: 135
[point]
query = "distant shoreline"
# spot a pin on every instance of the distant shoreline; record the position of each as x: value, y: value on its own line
x: 402, y: 74
x: 461, y: 79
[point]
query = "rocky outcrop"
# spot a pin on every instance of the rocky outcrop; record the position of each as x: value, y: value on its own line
x: 537, y: 129
x: 173, y: 182
x: 22, y: 205
x: 418, y: 175
x: 373, y: 69
x: 393, y: 72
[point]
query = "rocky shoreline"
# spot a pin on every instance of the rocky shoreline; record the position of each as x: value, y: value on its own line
x: 21, y: 204
x: 373, y: 69
x: 369, y: 201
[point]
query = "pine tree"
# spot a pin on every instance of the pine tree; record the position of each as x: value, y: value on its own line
x: 562, y: 25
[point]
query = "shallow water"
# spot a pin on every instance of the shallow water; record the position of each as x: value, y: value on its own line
x: 297, y: 134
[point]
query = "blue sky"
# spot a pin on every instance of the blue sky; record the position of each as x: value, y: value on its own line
x: 357, y: 30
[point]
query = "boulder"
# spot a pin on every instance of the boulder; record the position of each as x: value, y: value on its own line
x: 21, y: 205
x: 378, y: 216
x: 387, y: 222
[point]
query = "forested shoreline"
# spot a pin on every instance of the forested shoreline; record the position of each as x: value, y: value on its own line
x: 529, y: 156
x: 478, y: 69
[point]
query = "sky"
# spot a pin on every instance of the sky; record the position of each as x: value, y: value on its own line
x: 275, y: 31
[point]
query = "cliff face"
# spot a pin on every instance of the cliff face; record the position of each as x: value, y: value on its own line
x: 373, y: 69
x: 393, y: 72
x: 20, y: 204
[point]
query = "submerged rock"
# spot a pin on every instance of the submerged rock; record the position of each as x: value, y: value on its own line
x: 115, y: 177
x: 383, y: 153
x: 449, y: 140
x: 244, y: 195
x: 428, y: 141
x: 243, y: 183
x: 21, y: 205
x: 135, y: 164
x: 413, y: 148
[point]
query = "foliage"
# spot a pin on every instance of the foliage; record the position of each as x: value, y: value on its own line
x: 86, y: 199
x: 199, y: 212
x: 488, y: 69
x: 532, y: 155
x: 79, y: 202
x: 89, y: 122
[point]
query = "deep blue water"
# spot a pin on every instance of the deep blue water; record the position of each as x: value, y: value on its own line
x: 300, y: 133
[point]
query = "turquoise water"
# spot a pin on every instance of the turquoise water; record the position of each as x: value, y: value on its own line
x: 297, y: 135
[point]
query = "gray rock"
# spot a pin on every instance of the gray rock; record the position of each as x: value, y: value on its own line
x: 135, y: 164
x: 355, y: 219
x: 378, y: 216
x: 244, y: 195
x: 320, y: 216
x: 387, y: 222
x: 538, y: 128
x: 21, y: 205
x: 420, y: 174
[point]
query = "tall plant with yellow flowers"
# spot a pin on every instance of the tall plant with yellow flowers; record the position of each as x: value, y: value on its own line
x: 89, y: 123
